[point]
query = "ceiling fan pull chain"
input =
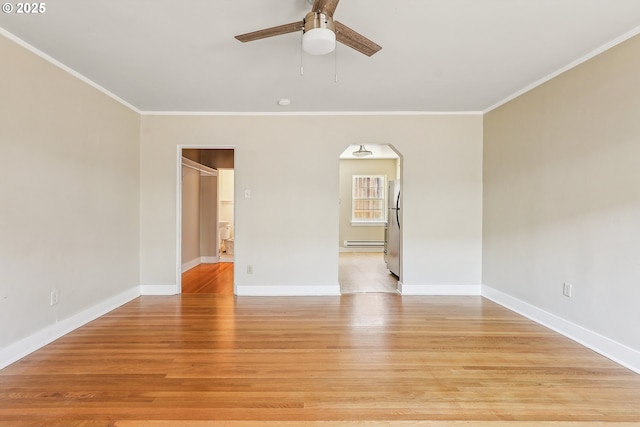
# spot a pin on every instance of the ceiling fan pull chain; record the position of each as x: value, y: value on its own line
x: 335, y: 65
x: 301, y: 57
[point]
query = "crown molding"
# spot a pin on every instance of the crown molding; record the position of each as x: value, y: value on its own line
x: 313, y: 113
x: 63, y: 67
x: 618, y: 40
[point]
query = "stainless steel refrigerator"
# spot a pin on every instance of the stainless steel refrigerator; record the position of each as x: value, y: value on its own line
x: 392, y: 230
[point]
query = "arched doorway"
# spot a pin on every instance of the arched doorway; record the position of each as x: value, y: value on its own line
x: 370, y: 256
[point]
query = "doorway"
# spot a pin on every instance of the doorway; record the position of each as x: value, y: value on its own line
x: 366, y: 171
x: 207, y: 225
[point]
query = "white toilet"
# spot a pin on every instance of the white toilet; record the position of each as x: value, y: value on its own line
x: 226, y: 241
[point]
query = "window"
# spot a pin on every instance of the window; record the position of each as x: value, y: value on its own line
x: 368, y: 199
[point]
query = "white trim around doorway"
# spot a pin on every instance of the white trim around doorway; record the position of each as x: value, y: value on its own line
x: 179, y: 266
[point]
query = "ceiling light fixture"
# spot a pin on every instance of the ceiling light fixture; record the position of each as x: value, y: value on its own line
x: 319, y: 36
x: 362, y: 152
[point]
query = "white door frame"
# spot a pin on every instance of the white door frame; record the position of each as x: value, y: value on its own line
x: 179, y: 149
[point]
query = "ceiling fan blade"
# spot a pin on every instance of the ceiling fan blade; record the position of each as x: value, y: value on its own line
x: 354, y: 40
x: 271, y: 32
x: 328, y: 7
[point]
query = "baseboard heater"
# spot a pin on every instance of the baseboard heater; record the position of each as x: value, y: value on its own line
x: 364, y: 243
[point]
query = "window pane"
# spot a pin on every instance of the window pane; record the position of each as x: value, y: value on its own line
x: 368, y: 196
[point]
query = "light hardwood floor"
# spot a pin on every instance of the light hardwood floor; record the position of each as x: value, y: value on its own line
x: 365, y: 272
x: 356, y: 360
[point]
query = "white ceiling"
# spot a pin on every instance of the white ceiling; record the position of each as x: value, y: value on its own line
x: 438, y: 55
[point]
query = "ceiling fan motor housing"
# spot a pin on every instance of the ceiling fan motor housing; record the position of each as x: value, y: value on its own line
x: 319, y: 31
x: 319, y: 34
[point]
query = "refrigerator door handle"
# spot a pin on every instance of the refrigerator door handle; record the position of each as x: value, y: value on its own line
x: 398, y: 210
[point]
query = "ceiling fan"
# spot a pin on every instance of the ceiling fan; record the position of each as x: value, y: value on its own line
x: 320, y: 32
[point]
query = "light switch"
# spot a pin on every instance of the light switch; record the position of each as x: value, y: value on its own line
x: 247, y: 194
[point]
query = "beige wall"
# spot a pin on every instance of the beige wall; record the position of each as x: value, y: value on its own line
x: 287, y: 231
x: 190, y: 218
x: 348, y: 168
x: 199, y: 215
x: 208, y: 218
x: 69, y: 175
x: 562, y: 195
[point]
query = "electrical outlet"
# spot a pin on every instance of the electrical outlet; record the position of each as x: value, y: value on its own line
x: 249, y: 269
x: 55, y: 296
x: 566, y: 289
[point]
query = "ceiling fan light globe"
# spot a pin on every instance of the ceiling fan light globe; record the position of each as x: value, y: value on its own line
x: 319, y: 41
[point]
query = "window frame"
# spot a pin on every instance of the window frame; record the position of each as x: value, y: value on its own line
x: 364, y: 222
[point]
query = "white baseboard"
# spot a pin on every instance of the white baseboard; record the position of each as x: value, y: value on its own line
x: 25, y: 346
x: 158, y: 290
x: 287, y: 291
x: 190, y: 264
x: 613, y: 350
x: 196, y: 262
x: 457, y: 290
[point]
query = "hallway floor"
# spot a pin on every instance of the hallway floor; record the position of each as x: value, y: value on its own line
x: 365, y: 272
x: 358, y: 272
x: 209, y: 279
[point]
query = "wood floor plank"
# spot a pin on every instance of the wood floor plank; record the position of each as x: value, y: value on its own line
x: 209, y: 279
x: 356, y: 360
